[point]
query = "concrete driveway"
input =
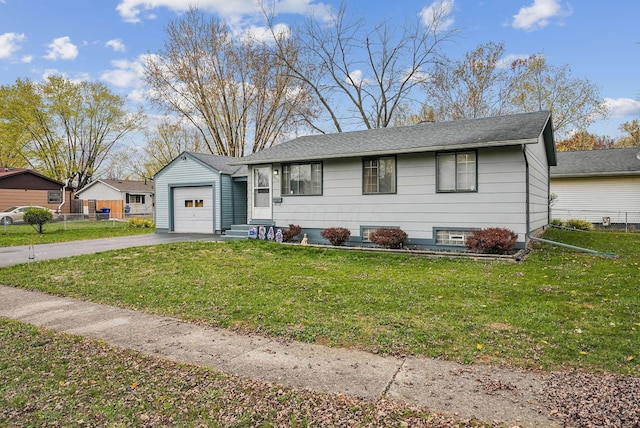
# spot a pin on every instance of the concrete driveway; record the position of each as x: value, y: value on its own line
x: 24, y: 254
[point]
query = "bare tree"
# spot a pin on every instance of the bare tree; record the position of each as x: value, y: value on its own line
x: 474, y: 87
x: 233, y: 90
x: 370, y: 72
x: 165, y: 144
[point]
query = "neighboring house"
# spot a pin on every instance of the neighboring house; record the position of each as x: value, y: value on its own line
x: 436, y: 181
x: 27, y: 187
x: 123, y: 197
x: 200, y: 193
x: 600, y: 186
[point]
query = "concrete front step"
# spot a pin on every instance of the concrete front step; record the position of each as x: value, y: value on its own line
x: 241, y: 231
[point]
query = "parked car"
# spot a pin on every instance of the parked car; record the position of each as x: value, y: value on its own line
x: 14, y: 214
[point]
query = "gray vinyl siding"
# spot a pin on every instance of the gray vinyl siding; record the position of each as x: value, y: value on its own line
x: 538, y: 186
x: 592, y: 198
x: 416, y: 207
x: 226, y: 201
x: 179, y: 172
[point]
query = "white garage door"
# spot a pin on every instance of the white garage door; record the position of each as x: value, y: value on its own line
x: 193, y: 209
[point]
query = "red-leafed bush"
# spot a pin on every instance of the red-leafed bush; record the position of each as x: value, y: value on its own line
x: 493, y: 240
x: 288, y: 235
x: 388, y: 237
x: 336, y: 235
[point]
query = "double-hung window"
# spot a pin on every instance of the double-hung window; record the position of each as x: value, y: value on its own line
x: 457, y: 172
x: 135, y: 199
x: 302, y: 179
x: 379, y: 175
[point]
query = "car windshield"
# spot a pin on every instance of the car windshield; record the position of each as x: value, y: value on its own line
x: 9, y: 209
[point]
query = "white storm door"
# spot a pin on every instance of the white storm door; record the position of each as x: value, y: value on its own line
x: 193, y: 209
x: 261, y: 197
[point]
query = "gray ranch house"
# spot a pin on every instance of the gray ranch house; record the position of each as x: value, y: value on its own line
x: 436, y: 181
x: 599, y: 186
x: 200, y: 193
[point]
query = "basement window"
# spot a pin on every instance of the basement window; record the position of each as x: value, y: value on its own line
x: 453, y: 237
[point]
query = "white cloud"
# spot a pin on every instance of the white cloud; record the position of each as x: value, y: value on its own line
x: 130, y: 10
x: 538, y: 15
x: 418, y: 76
x: 622, y: 107
x: 10, y: 43
x: 509, y: 59
x: 26, y: 59
x: 264, y: 34
x: 77, y: 78
x: 116, y: 45
x: 126, y: 74
x: 438, y: 13
x: 62, y: 48
x: 356, y: 78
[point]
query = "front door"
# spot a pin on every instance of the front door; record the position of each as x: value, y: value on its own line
x: 261, y: 193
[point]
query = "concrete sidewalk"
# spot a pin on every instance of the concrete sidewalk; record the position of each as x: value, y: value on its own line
x: 443, y: 387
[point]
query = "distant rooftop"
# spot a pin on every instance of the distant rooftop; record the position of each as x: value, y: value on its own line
x: 607, y: 162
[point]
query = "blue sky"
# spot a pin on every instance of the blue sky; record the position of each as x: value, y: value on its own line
x: 102, y: 40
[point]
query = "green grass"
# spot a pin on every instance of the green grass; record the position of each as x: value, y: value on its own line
x: 59, y: 380
x: 60, y: 231
x: 558, y: 309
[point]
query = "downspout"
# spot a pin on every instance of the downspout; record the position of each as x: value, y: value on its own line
x: 527, y: 200
x: 572, y: 247
x: 64, y: 196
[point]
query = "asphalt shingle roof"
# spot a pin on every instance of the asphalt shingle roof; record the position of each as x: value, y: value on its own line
x: 221, y: 163
x: 597, y: 163
x: 130, y: 185
x: 514, y: 129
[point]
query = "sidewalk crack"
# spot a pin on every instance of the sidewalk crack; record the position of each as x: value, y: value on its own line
x: 393, y: 378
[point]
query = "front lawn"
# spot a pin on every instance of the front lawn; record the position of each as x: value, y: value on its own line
x: 557, y: 309
x: 57, y: 380
x: 62, y: 231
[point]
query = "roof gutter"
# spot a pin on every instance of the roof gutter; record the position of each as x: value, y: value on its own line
x: 595, y: 174
x: 392, y: 151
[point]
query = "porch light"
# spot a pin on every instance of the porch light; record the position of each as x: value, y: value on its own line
x: 275, y: 172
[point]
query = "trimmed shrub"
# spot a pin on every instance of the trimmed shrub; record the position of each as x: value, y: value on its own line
x: 336, y: 235
x: 493, y: 240
x: 388, y: 237
x: 140, y: 223
x: 288, y: 235
x: 37, y: 217
x: 578, y: 224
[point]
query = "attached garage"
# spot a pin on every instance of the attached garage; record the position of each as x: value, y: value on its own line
x: 193, y: 209
x: 200, y: 193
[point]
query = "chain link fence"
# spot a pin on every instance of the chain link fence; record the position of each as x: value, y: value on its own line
x: 601, y: 219
x: 76, y: 221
